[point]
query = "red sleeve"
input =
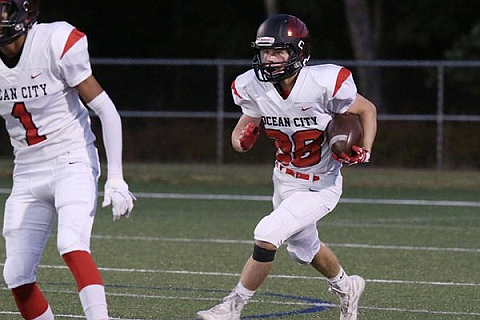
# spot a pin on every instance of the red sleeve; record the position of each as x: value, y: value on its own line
x: 343, y: 75
x: 74, y: 36
x: 234, y: 90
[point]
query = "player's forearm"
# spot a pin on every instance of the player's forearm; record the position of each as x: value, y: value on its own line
x: 112, y: 140
x: 367, y: 112
x: 237, y: 132
x: 103, y: 106
x: 369, y: 122
x: 236, y: 140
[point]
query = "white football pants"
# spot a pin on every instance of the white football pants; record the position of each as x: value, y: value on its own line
x: 63, y: 189
x: 298, y: 205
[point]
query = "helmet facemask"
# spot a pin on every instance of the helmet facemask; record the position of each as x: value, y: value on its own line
x: 7, y: 15
x: 16, y: 17
x: 277, y: 71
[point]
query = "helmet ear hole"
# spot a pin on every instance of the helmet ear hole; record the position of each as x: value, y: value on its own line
x: 32, y: 6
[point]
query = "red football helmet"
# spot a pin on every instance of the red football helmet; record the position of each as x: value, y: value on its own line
x: 17, y: 17
x: 281, y: 31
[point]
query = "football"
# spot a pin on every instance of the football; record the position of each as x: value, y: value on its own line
x: 343, y: 132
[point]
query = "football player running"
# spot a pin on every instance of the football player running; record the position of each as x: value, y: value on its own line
x: 295, y: 103
x: 44, y: 71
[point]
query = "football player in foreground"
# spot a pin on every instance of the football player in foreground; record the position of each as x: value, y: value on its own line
x: 44, y: 70
x: 295, y: 103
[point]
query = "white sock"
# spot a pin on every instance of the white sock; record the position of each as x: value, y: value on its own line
x: 244, y: 292
x: 94, y: 302
x: 47, y: 315
x: 339, y: 278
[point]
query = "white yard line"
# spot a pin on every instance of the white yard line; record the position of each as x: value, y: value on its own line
x: 273, y: 276
x: 234, y: 241
x: 283, y: 302
x: 191, y: 196
x: 342, y: 200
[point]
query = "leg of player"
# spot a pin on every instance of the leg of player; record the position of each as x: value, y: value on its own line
x: 31, y: 303
x: 89, y: 284
x: 26, y: 228
x: 326, y: 262
x: 76, y: 179
x: 348, y: 288
x: 73, y: 242
x: 258, y: 266
x: 254, y: 272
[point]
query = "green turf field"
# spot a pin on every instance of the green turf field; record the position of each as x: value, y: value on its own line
x: 176, y: 256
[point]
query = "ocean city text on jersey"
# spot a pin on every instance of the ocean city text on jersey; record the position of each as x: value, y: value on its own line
x: 28, y: 92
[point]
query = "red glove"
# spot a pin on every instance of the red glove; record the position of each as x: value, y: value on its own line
x: 249, y: 136
x: 360, y: 156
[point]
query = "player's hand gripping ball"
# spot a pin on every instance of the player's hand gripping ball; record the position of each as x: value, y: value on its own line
x: 344, y: 135
x: 249, y: 135
x: 361, y: 156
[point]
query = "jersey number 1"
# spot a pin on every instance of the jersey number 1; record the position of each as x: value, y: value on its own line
x: 20, y: 112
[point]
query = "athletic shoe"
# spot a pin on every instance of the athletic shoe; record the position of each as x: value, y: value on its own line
x: 229, y: 309
x: 349, y: 297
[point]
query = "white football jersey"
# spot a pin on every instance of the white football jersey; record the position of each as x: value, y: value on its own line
x: 38, y: 100
x: 297, y: 123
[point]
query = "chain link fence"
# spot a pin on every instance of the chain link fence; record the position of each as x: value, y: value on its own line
x: 181, y: 110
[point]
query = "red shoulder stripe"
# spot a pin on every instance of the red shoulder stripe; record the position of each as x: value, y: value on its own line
x: 234, y: 89
x: 341, y: 77
x: 74, y: 36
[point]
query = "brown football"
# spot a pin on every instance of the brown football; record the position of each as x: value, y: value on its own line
x: 343, y: 132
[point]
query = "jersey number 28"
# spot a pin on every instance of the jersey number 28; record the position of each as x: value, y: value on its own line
x: 302, y: 150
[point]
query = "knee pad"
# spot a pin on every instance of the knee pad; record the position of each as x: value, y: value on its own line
x: 270, y: 230
x: 68, y: 240
x: 263, y: 255
x: 19, y: 270
x: 73, y: 234
x: 303, y: 255
x: 297, y: 259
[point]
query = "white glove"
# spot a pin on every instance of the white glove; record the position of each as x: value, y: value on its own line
x: 116, y: 193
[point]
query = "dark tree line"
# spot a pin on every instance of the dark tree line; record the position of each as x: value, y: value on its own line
x: 408, y: 29
x: 348, y: 29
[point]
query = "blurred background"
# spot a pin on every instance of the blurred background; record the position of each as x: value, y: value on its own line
x: 168, y: 66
